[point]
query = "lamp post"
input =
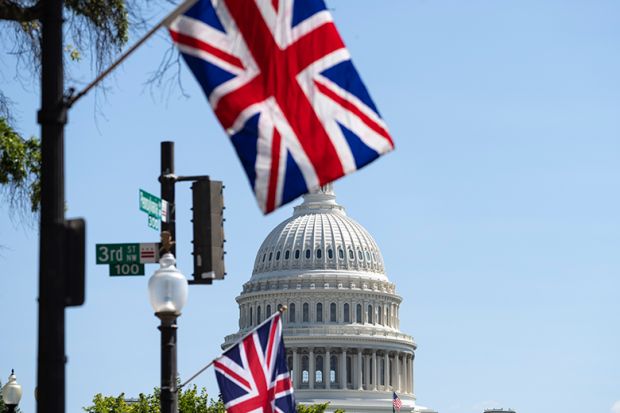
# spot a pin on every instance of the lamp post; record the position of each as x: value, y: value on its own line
x: 12, y: 393
x: 168, y: 295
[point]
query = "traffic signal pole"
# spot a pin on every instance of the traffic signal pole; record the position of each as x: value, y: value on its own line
x: 167, y: 179
x: 52, y: 285
x: 169, y: 398
x: 207, y: 207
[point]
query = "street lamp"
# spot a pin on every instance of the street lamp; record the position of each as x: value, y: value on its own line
x: 12, y: 393
x: 168, y: 295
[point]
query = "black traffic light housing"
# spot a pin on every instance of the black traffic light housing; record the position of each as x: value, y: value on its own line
x: 208, y: 223
x: 75, y: 261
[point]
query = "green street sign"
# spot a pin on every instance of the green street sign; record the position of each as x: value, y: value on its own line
x: 118, y: 253
x: 150, y: 204
x: 156, y: 208
x: 126, y: 269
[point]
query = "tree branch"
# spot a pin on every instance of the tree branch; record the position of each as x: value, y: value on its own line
x: 9, y: 10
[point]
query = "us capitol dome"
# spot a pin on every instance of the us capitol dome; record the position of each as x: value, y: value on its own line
x: 341, y: 329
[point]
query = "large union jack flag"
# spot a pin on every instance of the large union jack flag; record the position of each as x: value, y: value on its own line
x: 253, y: 375
x: 283, y: 86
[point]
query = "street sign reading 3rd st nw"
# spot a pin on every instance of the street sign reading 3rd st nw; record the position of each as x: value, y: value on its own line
x: 127, y: 259
x: 118, y: 253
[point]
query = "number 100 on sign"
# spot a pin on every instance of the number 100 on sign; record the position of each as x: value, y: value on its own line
x: 126, y: 269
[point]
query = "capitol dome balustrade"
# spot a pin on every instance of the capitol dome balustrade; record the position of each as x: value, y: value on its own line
x: 319, y: 280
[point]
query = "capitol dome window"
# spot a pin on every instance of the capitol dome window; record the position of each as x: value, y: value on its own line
x: 264, y: 256
x: 332, y: 312
x: 370, y: 314
x: 367, y: 256
x: 287, y: 254
x: 291, y: 313
x: 351, y: 255
x: 270, y: 255
x: 319, y: 312
x: 305, y: 311
x: 318, y: 375
x: 379, y: 315
x: 278, y: 256
x: 358, y: 314
x: 268, y: 311
x: 340, y: 253
x: 305, y: 376
x: 388, y: 321
x: 319, y: 253
x: 308, y: 254
x: 296, y: 254
x: 258, y: 315
x: 330, y: 254
x: 359, y: 255
x: 333, y: 362
x: 251, y: 318
x: 347, y: 314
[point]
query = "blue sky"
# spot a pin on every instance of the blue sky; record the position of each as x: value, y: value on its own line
x: 497, y: 215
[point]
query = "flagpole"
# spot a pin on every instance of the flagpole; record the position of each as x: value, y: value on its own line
x: 181, y: 8
x: 280, y: 311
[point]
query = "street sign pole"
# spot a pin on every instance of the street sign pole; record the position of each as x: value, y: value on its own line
x: 167, y: 179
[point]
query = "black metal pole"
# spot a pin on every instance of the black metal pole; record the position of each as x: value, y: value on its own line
x: 167, y: 180
x: 52, y: 117
x: 168, y: 396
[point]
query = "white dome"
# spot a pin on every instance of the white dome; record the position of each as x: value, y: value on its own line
x: 319, y: 236
x: 342, y: 326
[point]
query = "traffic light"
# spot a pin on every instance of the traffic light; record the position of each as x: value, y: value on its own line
x: 208, y: 223
x: 75, y: 261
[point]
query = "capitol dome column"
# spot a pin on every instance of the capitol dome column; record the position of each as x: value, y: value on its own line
x: 386, y: 371
x: 374, y: 370
x: 359, y: 369
x: 295, y: 368
x: 412, y: 384
x: 311, y: 368
x: 397, y: 371
x: 343, y: 368
x: 327, y: 369
x: 367, y: 378
x: 405, y: 384
x: 409, y: 374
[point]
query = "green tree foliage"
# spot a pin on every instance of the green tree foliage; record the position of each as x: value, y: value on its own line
x: 191, y: 400
x: 98, y: 28
x: 315, y: 408
x: 20, y: 169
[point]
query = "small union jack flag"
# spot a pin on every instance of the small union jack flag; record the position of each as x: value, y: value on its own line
x: 253, y: 375
x: 283, y: 86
